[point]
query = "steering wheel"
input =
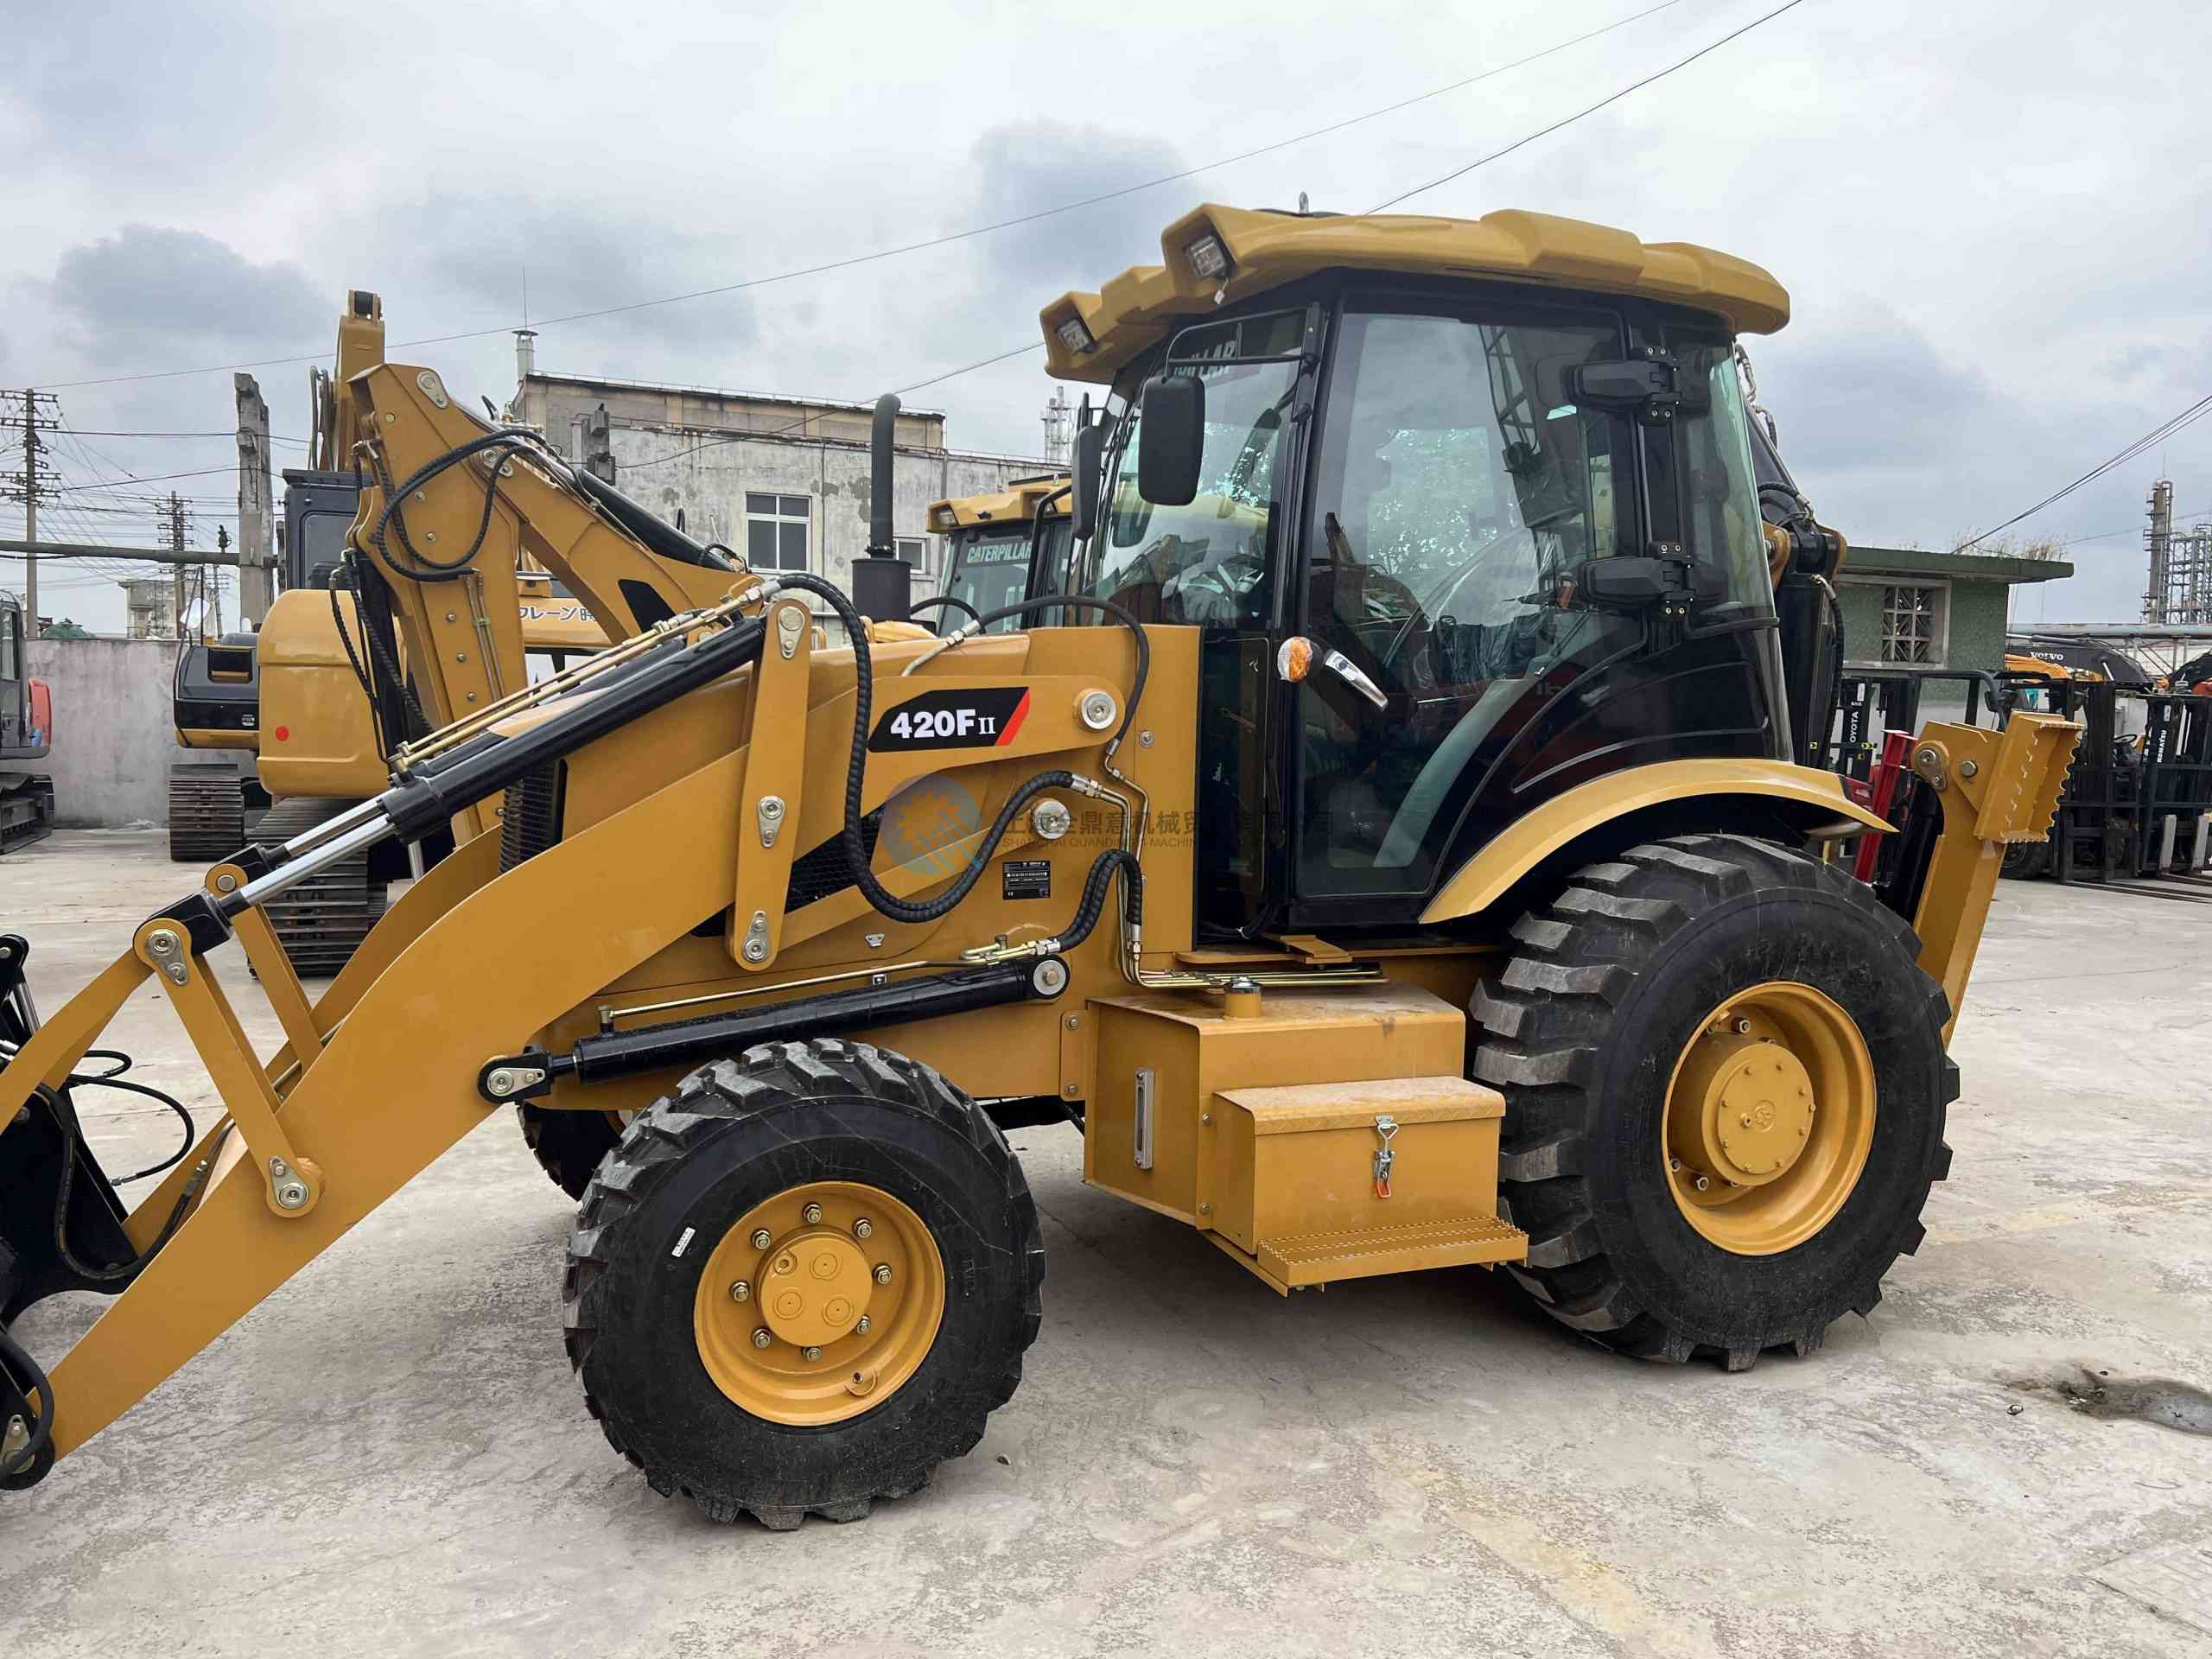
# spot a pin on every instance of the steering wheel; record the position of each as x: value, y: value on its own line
x: 1432, y: 601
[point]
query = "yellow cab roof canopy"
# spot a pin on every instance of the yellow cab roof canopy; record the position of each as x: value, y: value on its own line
x: 1265, y: 251
x: 1017, y: 505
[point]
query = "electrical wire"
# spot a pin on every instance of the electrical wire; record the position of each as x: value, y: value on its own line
x: 950, y: 238
x: 1635, y: 86
x: 2157, y: 434
x: 791, y: 426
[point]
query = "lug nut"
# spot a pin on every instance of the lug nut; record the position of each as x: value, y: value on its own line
x: 862, y: 1228
x: 861, y: 1325
x: 762, y: 1239
x: 1701, y: 1183
x: 883, y: 1273
x: 811, y: 1214
x: 740, y: 1292
x: 1743, y: 1028
x: 1675, y: 1165
x: 810, y: 1354
x: 760, y: 1337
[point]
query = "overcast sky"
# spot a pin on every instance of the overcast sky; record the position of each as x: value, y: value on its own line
x: 1991, y: 214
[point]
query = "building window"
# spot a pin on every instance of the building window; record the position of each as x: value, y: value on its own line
x: 775, y: 531
x: 1912, y: 623
x: 916, y: 551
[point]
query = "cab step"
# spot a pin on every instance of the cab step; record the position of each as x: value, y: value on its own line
x: 1304, y: 1260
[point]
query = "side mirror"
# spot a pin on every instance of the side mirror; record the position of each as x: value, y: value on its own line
x: 1626, y: 581
x: 1171, y: 439
x: 1089, y: 464
x: 1649, y: 385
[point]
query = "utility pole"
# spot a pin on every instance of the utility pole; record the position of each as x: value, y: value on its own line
x: 35, y: 411
x: 173, y: 527
x: 257, y: 580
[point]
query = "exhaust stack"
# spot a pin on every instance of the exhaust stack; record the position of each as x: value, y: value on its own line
x: 882, y: 584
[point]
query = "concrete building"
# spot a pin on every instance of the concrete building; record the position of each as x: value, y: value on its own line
x: 782, y: 480
x: 1904, y: 606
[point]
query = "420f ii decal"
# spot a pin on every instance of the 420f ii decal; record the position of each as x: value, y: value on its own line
x: 981, y: 717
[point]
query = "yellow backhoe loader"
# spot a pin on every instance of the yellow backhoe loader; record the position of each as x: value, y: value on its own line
x: 999, y: 548
x: 1395, y: 863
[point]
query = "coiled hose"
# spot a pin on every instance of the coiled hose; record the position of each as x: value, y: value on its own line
x: 855, y: 847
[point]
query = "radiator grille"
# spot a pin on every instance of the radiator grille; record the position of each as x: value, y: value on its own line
x: 533, y: 815
x: 824, y: 871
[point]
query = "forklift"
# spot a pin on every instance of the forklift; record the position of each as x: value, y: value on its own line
x: 1389, y: 855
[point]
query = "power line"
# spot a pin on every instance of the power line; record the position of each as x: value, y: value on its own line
x: 146, y: 478
x: 777, y: 431
x: 923, y: 245
x: 2194, y: 412
x: 96, y: 432
x: 1660, y: 74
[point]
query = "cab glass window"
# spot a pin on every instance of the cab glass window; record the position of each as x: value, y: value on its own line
x: 1209, y: 561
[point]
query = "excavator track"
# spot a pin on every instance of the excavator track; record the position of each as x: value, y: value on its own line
x: 26, y: 810
x: 323, y: 919
x: 206, y: 814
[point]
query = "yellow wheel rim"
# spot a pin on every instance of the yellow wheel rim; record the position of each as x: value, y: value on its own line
x: 819, y: 1303
x: 1769, y: 1115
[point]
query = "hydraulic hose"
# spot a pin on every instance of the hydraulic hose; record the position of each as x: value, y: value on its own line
x: 945, y: 599
x: 29, y: 1380
x: 855, y: 847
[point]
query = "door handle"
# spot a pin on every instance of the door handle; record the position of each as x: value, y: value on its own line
x: 1349, y: 672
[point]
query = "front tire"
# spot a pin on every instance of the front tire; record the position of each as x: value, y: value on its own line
x: 1653, y: 1011
x: 876, y: 1368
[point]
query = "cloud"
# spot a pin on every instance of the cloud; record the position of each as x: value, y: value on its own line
x: 153, y: 293
x: 1025, y: 167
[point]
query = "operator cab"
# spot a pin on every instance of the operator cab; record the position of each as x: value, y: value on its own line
x: 1456, y: 545
x: 1000, y: 548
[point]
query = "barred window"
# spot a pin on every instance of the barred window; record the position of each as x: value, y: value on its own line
x: 1912, y: 624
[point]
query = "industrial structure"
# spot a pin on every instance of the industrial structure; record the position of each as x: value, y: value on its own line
x: 2179, y: 592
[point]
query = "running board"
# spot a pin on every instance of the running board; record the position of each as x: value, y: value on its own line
x: 1304, y: 1260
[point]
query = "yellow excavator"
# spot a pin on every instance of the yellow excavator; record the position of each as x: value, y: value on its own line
x: 1404, y: 869
x: 330, y: 685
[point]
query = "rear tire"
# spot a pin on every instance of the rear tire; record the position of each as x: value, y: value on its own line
x: 567, y: 1146
x: 1613, y: 981
x: 689, y: 1169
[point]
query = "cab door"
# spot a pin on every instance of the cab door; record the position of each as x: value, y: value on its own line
x: 1461, y: 670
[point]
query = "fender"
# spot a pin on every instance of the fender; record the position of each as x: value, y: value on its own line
x: 1535, y: 836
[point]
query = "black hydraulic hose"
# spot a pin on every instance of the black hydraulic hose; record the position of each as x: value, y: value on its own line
x: 126, y: 1270
x: 1085, y: 602
x: 360, y: 670
x: 29, y: 1380
x: 856, y: 855
x: 394, y: 515
x: 945, y: 599
x: 1094, y: 895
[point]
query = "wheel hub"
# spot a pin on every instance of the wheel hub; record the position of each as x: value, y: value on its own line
x: 813, y: 1287
x: 834, y: 1307
x: 1754, y: 1106
x: 1769, y: 1115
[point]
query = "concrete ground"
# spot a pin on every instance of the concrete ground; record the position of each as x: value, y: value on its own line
x: 391, y: 1456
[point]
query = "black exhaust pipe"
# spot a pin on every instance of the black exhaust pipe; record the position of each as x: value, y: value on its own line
x: 883, y: 583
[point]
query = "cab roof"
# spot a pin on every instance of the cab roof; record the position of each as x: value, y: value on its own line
x: 1267, y: 250
x: 1016, y: 504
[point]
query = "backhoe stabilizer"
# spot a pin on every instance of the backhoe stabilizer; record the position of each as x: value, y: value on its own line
x: 1995, y: 787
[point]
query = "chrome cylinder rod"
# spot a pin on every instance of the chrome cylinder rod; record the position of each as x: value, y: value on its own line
x: 318, y: 857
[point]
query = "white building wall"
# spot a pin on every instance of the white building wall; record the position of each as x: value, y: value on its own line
x: 707, y: 485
